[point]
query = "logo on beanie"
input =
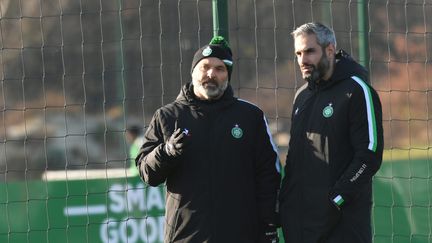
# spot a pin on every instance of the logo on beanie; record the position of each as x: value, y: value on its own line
x: 207, y: 51
x: 237, y: 132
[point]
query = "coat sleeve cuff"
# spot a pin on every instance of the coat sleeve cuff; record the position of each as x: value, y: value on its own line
x: 338, y: 201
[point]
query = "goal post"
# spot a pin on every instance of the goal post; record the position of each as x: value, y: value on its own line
x: 220, y: 18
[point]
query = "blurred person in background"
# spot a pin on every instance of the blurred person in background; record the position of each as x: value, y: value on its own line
x: 335, y: 148
x: 134, y: 139
x: 215, y: 154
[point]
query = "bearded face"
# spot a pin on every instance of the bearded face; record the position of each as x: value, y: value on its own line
x: 312, y: 58
x: 317, y: 71
x: 210, y: 89
x: 210, y: 78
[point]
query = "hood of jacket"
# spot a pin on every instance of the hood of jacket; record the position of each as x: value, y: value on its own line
x: 187, y: 97
x: 345, y: 67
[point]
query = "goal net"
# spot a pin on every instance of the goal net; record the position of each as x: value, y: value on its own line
x: 80, y: 81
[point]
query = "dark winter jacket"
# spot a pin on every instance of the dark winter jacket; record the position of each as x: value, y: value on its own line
x: 335, y: 148
x: 223, y: 188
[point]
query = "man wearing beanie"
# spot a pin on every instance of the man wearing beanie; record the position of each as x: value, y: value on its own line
x: 216, y: 156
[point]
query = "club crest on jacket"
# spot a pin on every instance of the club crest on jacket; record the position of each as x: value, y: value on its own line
x: 236, y: 131
x: 328, y: 111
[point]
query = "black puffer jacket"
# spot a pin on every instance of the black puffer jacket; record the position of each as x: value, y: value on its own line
x: 223, y: 187
x: 335, y: 148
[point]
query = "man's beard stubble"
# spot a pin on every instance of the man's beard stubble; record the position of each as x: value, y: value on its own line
x: 318, y: 71
x: 213, y: 91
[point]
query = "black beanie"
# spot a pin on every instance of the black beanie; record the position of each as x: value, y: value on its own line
x: 218, y: 47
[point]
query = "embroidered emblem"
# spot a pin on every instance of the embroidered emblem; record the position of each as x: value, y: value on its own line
x: 207, y: 51
x: 237, y: 132
x: 328, y: 111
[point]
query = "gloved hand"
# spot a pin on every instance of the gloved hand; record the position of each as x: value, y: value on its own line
x: 333, y: 218
x: 269, y: 235
x: 176, y: 143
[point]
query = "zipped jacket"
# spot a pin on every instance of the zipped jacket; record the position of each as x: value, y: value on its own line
x: 224, y: 186
x: 335, y: 148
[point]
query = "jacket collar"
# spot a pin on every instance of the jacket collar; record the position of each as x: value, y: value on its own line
x: 345, y: 67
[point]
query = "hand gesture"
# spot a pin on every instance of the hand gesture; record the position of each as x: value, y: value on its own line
x: 177, y: 142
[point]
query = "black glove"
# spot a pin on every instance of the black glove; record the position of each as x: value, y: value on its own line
x: 176, y: 143
x: 270, y: 234
x: 333, y: 218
